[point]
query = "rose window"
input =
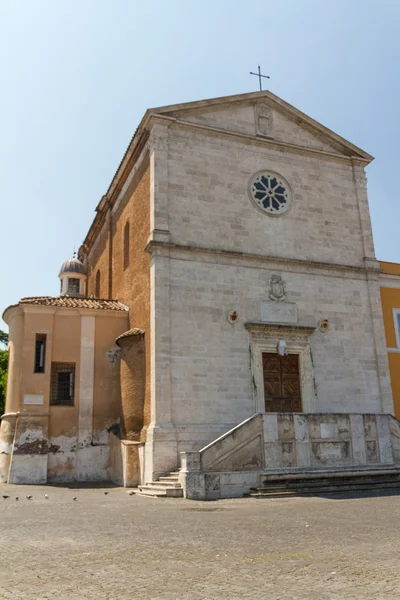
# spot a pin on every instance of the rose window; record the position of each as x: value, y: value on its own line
x: 270, y: 193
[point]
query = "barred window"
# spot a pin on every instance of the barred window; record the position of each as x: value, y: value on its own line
x: 40, y: 352
x: 73, y: 285
x: 62, y: 390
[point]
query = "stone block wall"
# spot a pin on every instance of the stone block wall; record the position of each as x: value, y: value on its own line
x: 209, y: 204
x: 272, y: 443
x: 218, y: 254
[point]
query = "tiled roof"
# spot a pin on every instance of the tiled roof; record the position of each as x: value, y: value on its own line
x: 72, y: 302
x: 131, y: 332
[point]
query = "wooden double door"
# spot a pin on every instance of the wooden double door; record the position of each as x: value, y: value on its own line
x: 281, y: 382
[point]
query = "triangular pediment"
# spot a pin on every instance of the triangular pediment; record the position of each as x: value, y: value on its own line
x: 262, y: 115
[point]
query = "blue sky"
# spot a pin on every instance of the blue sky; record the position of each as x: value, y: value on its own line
x: 77, y: 75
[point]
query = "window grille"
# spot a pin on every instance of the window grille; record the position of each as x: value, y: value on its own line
x: 62, y: 390
x: 73, y: 285
x: 40, y: 352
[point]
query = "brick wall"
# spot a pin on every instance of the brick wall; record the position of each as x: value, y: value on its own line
x: 130, y: 285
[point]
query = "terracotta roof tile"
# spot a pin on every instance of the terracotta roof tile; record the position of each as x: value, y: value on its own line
x: 72, y: 302
x: 131, y: 332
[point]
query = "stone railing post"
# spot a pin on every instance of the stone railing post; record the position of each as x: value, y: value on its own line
x: 191, y: 478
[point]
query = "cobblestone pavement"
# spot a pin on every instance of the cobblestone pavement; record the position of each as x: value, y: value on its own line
x: 116, y: 546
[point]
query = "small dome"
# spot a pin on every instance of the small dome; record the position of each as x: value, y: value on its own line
x: 72, y: 265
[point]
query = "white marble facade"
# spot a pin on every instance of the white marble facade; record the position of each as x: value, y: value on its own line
x: 214, y: 252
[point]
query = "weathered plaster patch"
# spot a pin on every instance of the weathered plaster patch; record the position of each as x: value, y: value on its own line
x: 5, y: 448
x: 33, y: 447
x: 100, y: 437
x: 63, y: 443
x: 113, y: 356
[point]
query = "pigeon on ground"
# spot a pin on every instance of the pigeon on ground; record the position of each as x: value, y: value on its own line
x: 74, y: 498
x: 17, y: 498
x: 46, y: 496
x: 29, y: 497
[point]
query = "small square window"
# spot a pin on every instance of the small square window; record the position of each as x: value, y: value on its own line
x: 62, y: 392
x: 73, y: 285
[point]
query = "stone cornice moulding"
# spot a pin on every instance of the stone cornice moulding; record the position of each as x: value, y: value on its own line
x: 389, y: 281
x: 10, y: 312
x: 274, y: 101
x: 168, y: 248
x: 259, y: 140
x: 276, y: 331
x: 39, y: 308
x: 21, y: 413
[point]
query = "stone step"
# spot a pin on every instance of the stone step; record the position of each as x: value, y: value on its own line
x: 160, y: 491
x: 283, y: 491
x: 357, y: 480
x: 166, y: 484
x: 167, y: 478
x: 308, y: 474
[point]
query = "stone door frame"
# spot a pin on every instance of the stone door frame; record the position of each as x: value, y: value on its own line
x: 264, y: 337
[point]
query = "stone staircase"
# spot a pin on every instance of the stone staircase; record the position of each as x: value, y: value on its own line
x: 165, y: 487
x: 306, y: 483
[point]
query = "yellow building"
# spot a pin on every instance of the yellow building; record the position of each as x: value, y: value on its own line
x: 390, y: 294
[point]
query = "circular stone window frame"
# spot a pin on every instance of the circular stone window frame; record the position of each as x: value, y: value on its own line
x: 287, y: 187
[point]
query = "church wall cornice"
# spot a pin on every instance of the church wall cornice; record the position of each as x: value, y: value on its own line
x: 255, y: 140
x: 231, y: 257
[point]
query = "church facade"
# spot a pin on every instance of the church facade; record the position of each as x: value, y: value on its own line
x: 234, y: 249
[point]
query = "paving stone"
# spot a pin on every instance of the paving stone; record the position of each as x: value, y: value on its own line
x: 115, y: 547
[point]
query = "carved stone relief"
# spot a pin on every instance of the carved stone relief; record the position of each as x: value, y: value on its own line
x: 277, y: 289
x: 113, y: 356
x: 263, y: 120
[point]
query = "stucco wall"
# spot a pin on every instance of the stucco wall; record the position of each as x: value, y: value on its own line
x: 391, y: 300
x: 62, y: 443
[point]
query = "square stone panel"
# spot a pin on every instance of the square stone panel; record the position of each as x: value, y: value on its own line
x: 330, y: 454
x: 372, y: 452
x: 212, y: 482
x: 370, y: 427
x: 285, y: 427
x: 288, y: 459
